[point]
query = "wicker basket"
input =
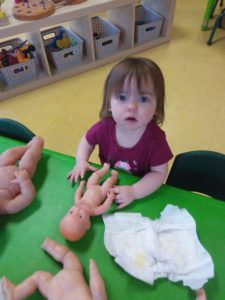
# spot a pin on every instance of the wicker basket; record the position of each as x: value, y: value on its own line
x: 148, y: 24
x: 21, y: 72
x: 66, y: 57
x: 106, y: 37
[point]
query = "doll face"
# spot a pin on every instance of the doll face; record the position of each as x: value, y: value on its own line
x: 74, y: 225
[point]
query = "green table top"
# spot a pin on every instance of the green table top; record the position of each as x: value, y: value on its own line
x: 22, y: 234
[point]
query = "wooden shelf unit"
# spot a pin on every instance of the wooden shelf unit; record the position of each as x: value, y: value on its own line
x: 121, y: 13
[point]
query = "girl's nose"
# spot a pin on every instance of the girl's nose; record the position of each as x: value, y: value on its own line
x: 132, y: 104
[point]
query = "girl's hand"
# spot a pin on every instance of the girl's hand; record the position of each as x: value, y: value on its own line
x: 124, y: 195
x: 79, y: 170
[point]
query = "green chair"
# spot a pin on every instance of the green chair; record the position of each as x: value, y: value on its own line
x: 216, y: 25
x: 199, y: 171
x: 15, y: 130
x: 209, y: 11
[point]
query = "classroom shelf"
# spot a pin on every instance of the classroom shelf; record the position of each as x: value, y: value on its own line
x: 121, y: 13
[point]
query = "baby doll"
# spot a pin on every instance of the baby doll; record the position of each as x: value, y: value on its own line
x: 67, y: 284
x: 95, y: 201
x: 17, y: 166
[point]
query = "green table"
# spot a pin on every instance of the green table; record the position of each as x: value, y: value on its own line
x: 21, y: 235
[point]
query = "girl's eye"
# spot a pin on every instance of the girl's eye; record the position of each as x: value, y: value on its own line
x: 121, y: 97
x: 143, y: 99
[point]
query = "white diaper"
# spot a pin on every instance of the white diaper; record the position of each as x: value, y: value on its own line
x: 167, y: 247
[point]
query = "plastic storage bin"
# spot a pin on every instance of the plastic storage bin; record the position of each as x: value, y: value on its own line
x: 148, y: 24
x: 18, y: 73
x: 63, y: 58
x: 106, y: 37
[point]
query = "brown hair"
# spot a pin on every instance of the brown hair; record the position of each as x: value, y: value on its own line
x: 139, y: 69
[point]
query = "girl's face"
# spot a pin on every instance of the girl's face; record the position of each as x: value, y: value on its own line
x: 132, y: 108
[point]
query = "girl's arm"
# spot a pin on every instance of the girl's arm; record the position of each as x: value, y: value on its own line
x: 82, y: 165
x: 145, y: 186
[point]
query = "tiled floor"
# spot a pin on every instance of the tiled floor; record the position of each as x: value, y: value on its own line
x: 195, y: 77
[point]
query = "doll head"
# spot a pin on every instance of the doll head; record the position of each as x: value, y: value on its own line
x: 138, y: 69
x: 75, y: 223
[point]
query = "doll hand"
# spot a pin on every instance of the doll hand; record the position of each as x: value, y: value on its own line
x: 124, y: 195
x: 79, y: 171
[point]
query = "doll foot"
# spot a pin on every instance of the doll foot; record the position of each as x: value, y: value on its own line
x: 200, y: 294
x: 36, y: 141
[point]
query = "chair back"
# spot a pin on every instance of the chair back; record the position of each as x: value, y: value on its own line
x: 15, y: 130
x: 199, y: 171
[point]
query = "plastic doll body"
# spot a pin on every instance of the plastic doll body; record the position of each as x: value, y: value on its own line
x: 94, y: 201
x: 200, y: 294
x: 67, y: 284
x: 16, y: 187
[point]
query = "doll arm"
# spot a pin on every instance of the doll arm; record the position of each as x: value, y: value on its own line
x: 27, y: 192
x: 82, y: 165
x: 97, y: 285
x: 39, y: 280
x: 105, y: 206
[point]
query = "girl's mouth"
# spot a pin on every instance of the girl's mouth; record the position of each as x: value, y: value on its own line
x: 131, y: 119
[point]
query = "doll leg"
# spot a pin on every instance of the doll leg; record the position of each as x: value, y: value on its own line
x: 12, y: 155
x: 26, y: 195
x: 79, y: 192
x: 200, y: 294
x: 97, y: 175
x: 62, y: 254
x: 110, y: 182
x: 38, y: 280
x: 97, y: 285
x: 32, y: 156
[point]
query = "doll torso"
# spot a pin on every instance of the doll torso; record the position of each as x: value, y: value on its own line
x: 93, y: 197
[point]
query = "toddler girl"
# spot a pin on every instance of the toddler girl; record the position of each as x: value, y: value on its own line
x: 128, y: 134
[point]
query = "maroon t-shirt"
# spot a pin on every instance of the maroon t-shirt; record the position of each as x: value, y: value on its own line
x: 151, y: 150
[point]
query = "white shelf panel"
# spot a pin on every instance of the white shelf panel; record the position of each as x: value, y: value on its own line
x: 78, y: 18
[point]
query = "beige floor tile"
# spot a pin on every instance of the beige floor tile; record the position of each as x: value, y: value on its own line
x: 194, y: 74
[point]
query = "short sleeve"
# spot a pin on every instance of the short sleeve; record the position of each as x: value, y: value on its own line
x: 93, y: 134
x: 161, y: 153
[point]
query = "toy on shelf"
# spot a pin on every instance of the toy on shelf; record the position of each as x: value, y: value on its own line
x: 28, y: 10
x: 68, y: 283
x: 60, y: 41
x: 17, y: 54
x: 95, y: 201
